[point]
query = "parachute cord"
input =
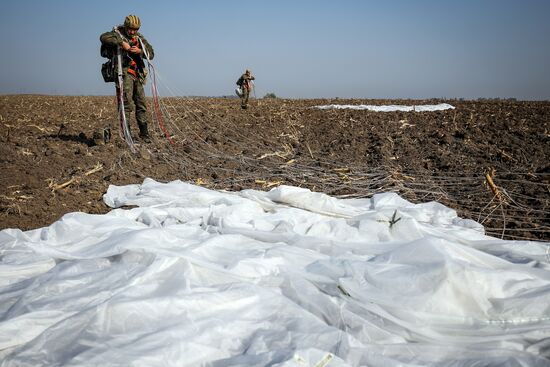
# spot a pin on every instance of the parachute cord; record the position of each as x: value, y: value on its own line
x: 124, y: 129
x: 154, y: 91
x: 156, y: 104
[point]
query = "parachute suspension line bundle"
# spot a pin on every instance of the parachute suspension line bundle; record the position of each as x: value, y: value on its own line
x: 157, y: 110
x: 192, y: 112
x: 253, y: 88
x: 124, y: 129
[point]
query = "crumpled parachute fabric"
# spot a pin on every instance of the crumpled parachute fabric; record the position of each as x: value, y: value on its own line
x: 388, y: 108
x: 179, y: 275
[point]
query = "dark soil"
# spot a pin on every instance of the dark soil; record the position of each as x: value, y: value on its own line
x: 54, y: 160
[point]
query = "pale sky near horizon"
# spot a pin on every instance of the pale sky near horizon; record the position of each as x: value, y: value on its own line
x: 296, y: 49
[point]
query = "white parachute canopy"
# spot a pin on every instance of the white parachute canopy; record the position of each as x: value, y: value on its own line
x: 186, y: 276
x: 388, y: 108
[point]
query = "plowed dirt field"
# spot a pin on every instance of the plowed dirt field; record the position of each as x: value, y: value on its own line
x: 488, y: 160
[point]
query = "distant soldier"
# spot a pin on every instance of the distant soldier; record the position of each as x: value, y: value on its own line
x: 245, y: 86
x: 134, y: 73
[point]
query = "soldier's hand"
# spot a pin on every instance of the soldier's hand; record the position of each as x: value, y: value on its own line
x: 126, y: 46
x: 135, y: 50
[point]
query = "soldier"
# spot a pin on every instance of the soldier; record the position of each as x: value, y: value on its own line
x: 245, y: 85
x: 134, y: 72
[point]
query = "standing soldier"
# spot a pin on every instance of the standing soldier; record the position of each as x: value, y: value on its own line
x: 132, y: 43
x: 245, y: 85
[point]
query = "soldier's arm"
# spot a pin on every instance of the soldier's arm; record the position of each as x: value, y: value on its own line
x: 148, y: 47
x: 111, y: 39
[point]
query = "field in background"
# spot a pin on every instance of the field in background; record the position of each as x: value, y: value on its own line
x: 488, y: 160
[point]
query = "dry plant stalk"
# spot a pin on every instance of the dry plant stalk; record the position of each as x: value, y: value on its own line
x: 309, y: 149
x: 98, y: 167
x: 489, y: 179
x: 42, y: 129
x: 268, y: 184
x: 63, y: 185
x: 283, y: 155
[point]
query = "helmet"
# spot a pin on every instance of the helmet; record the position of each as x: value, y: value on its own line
x: 247, y: 72
x: 132, y: 21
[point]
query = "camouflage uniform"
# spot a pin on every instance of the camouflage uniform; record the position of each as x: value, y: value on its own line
x: 134, y: 73
x: 245, y: 82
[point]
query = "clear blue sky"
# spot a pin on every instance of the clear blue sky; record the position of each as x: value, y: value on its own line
x: 296, y: 49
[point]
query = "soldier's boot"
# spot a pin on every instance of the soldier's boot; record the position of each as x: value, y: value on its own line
x: 106, y: 134
x: 144, y: 133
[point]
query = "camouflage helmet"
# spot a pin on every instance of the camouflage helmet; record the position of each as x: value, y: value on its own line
x: 132, y: 21
x: 247, y: 72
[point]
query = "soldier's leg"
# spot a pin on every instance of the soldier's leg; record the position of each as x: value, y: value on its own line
x: 128, y: 83
x: 141, y: 108
x: 246, y: 93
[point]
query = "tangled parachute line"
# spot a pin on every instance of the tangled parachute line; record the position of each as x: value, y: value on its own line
x: 187, y: 127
